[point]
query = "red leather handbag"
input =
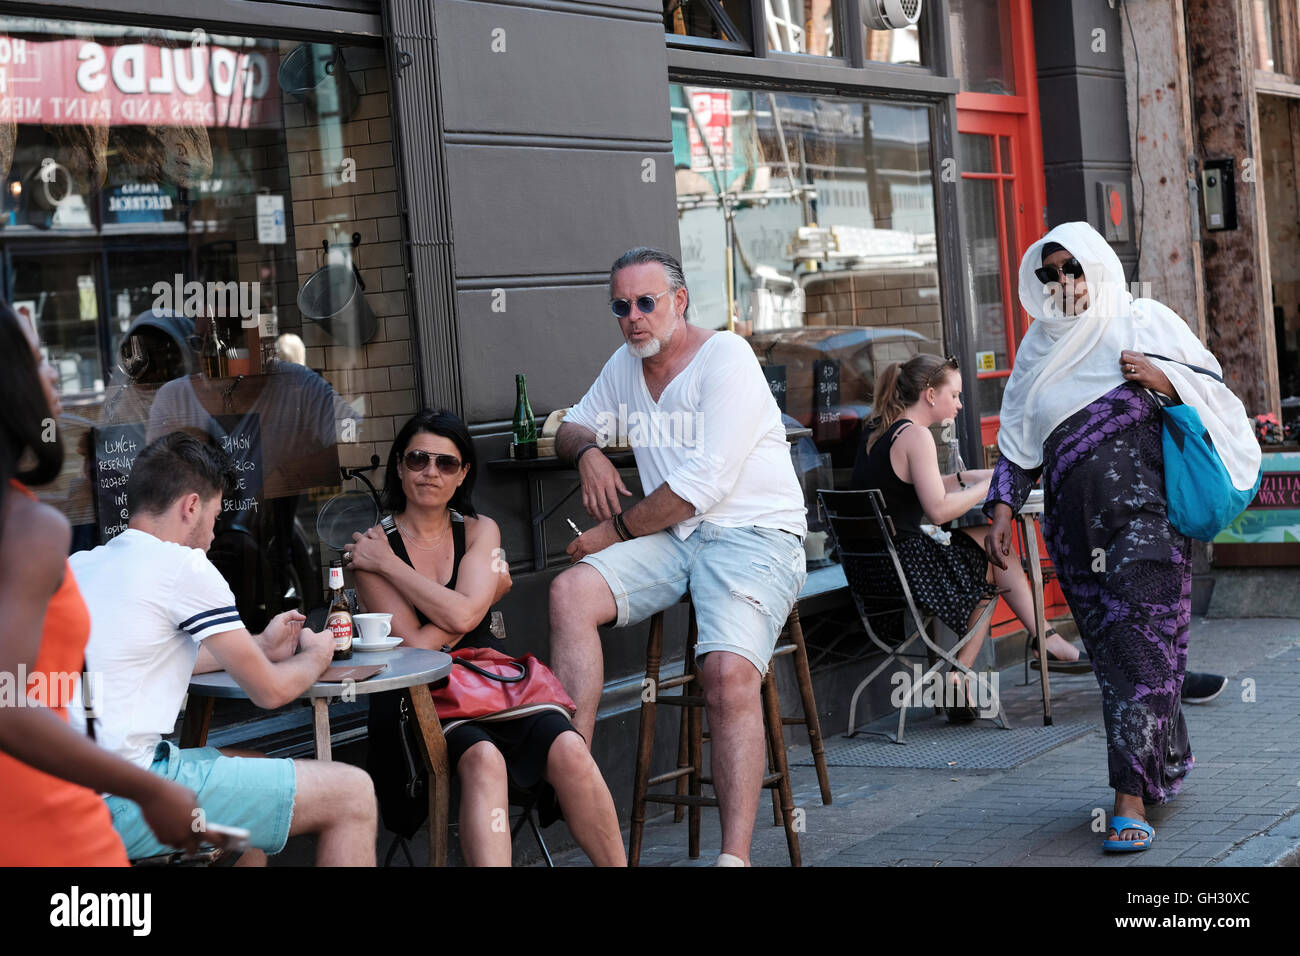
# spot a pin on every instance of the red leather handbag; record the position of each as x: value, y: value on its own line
x: 487, y: 685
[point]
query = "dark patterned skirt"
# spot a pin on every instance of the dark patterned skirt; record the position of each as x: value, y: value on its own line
x: 1126, y: 573
x: 947, y: 580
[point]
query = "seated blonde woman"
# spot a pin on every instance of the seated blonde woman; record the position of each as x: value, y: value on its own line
x: 438, y: 579
x: 900, y: 458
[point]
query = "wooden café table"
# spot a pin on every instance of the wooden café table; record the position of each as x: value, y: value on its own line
x: 410, y: 669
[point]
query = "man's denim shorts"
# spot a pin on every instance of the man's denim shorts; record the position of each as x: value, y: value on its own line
x: 742, y: 582
x: 250, y: 792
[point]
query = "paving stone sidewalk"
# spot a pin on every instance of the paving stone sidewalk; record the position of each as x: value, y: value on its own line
x: 1238, y: 806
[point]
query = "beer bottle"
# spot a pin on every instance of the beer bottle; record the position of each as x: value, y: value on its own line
x: 525, y: 426
x: 339, y: 619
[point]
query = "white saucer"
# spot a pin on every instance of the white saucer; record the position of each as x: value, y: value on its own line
x: 384, y: 644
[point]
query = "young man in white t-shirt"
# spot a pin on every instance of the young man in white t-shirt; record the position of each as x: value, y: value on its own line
x: 157, y: 605
x: 723, y: 519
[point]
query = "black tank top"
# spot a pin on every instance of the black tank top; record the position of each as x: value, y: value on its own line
x: 873, y: 469
x: 481, y: 636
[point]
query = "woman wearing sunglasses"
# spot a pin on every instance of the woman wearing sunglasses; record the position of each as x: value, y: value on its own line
x: 438, y: 578
x: 50, y: 810
x: 949, y: 581
x: 1079, y: 409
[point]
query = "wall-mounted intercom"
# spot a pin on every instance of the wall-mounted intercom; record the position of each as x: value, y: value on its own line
x: 1218, y: 195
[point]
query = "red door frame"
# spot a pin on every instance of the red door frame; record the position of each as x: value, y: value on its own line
x: 1018, y: 117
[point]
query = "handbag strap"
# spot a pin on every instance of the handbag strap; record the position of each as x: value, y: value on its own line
x: 1194, y: 368
x: 523, y: 670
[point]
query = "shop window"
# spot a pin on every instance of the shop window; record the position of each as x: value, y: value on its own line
x: 807, y: 225
x: 1266, y: 30
x: 170, y: 201
x: 803, y: 26
x: 981, y: 45
x: 724, y: 21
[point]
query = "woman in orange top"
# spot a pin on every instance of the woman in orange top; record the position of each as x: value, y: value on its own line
x: 50, y: 811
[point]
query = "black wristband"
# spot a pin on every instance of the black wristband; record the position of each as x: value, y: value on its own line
x: 582, y: 451
x: 959, y: 481
x: 621, y: 527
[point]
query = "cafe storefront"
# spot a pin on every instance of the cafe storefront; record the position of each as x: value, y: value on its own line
x: 459, y: 175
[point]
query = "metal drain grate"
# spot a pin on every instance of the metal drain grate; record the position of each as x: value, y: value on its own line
x: 933, y: 743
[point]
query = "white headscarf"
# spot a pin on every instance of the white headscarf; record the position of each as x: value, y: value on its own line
x: 1067, y: 361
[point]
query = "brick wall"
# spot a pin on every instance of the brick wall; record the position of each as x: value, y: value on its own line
x: 905, y: 298
x: 378, y: 379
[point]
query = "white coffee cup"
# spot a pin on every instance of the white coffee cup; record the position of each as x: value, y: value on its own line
x: 373, y: 628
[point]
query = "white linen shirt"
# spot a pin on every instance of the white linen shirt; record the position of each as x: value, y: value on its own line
x: 715, y: 436
x: 151, y: 602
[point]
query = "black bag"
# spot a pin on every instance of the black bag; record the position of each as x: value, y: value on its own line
x: 395, y: 764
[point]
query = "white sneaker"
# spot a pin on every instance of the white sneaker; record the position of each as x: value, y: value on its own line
x: 726, y: 859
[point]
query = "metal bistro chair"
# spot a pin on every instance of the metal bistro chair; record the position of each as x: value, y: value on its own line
x: 862, y: 532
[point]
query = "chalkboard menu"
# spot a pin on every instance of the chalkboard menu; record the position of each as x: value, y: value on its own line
x: 775, y: 375
x: 116, y: 448
x: 826, y: 400
x: 115, y: 451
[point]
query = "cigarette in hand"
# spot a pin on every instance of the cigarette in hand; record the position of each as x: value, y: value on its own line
x: 573, y: 527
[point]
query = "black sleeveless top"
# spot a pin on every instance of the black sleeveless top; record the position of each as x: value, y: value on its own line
x: 873, y: 469
x: 481, y: 636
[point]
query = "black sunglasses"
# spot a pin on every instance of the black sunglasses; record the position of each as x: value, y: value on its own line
x: 1049, y: 274
x: 645, y: 304
x: 418, y: 462
x: 949, y: 362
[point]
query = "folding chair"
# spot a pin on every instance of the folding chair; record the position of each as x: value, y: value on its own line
x: 862, y: 533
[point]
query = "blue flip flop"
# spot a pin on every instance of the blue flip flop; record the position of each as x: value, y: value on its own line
x: 1119, y: 825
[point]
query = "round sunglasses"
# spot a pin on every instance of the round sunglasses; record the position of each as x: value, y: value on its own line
x: 645, y: 304
x: 1049, y: 274
x: 418, y: 462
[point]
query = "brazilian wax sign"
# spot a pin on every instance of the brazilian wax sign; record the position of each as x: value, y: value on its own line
x: 117, y: 447
x: 1274, y: 516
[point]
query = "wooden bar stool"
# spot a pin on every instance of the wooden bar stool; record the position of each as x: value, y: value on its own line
x: 688, y: 776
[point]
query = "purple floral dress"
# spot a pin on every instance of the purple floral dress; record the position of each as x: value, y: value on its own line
x: 1126, y: 574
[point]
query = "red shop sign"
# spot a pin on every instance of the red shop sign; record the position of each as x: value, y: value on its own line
x: 81, y: 81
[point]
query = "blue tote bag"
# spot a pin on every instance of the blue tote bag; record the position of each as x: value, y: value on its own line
x: 1202, y: 499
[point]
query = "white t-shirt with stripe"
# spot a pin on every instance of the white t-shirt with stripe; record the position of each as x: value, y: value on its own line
x: 151, y: 602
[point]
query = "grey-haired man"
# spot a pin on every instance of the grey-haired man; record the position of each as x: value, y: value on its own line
x: 723, y: 519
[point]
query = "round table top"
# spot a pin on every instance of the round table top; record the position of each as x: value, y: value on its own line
x: 406, y: 667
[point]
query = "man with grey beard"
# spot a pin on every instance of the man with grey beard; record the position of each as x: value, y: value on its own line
x: 723, y: 520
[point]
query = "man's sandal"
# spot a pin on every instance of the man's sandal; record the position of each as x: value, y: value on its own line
x: 1119, y: 825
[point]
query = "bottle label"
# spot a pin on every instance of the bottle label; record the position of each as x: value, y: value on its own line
x: 340, y: 625
x: 336, y: 578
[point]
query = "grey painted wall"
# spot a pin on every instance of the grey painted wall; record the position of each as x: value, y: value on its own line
x: 1080, y: 54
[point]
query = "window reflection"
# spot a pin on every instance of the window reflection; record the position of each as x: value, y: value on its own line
x: 167, y: 197
x: 823, y: 209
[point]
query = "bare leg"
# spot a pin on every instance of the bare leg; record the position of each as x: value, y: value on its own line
x: 1020, y: 598
x: 484, y: 806
x: 580, y: 602
x: 336, y: 801
x: 251, y: 857
x: 731, y: 696
x: 585, y: 799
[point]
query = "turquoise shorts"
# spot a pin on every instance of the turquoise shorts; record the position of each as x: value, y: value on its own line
x: 742, y: 581
x: 254, y: 793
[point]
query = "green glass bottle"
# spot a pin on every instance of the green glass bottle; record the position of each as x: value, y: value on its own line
x: 524, y: 428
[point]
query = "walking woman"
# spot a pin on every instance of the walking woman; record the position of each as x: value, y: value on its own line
x: 1078, y: 410
x: 50, y: 810
x: 900, y: 458
x: 439, y: 575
